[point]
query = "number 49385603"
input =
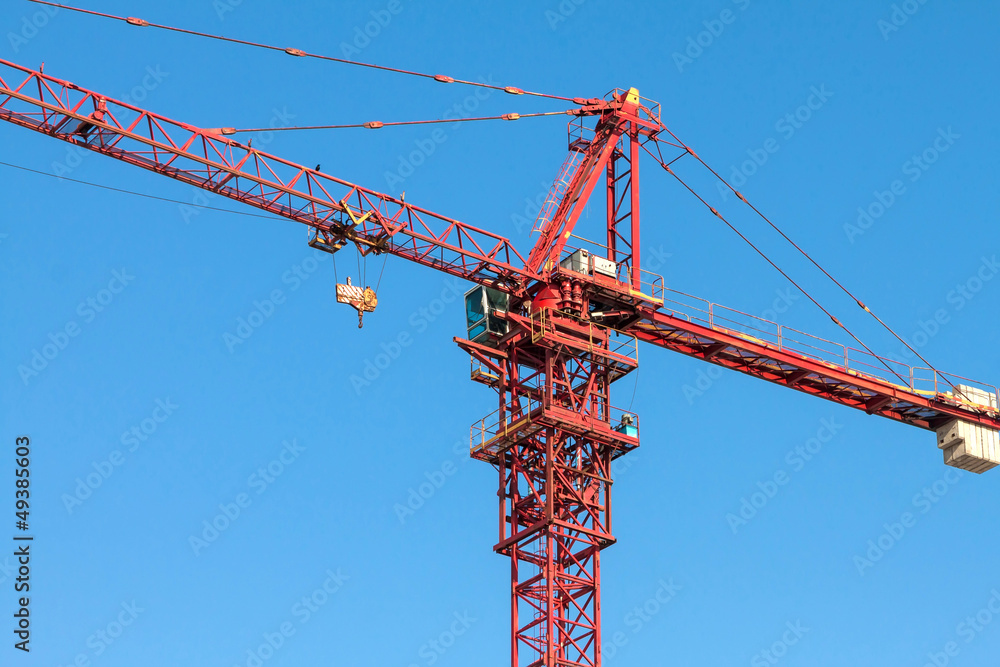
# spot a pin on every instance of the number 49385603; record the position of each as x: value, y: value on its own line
x: 22, y: 493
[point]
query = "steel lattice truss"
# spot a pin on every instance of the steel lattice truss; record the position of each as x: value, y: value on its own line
x: 553, y: 441
x: 339, y: 211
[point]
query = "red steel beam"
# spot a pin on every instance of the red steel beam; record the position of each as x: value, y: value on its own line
x: 337, y: 209
x: 788, y: 368
x: 609, y: 130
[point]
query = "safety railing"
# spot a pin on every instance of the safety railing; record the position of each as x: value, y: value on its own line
x: 970, y: 392
x: 482, y: 373
x: 624, y: 421
x: 485, y: 433
x: 580, y: 135
x: 836, y: 355
x: 651, y: 106
x: 620, y: 343
x: 650, y: 284
x: 557, y: 191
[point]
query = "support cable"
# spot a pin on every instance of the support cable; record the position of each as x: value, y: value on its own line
x: 805, y: 254
x: 442, y: 78
x: 360, y: 277
x: 634, y: 387
x: 141, y: 194
x: 375, y: 124
x: 380, y: 273
x: 760, y: 252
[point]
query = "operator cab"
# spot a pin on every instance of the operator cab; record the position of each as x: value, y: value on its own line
x: 481, y: 307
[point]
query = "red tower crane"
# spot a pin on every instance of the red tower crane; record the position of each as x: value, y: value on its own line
x: 550, y: 333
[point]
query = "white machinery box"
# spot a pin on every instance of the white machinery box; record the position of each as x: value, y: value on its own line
x: 969, y: 446
x: 583, y: 262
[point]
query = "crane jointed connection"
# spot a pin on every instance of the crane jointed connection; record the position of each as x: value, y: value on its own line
x: 549, y: 332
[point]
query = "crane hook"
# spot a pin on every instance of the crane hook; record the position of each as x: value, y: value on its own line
x: 362, y: 300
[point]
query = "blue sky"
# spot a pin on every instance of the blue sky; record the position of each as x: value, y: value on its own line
x: 188, y: 429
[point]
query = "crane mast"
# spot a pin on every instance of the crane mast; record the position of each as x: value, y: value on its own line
x: 550, y: 333
x: 555, y: 433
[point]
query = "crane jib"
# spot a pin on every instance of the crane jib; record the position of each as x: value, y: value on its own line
x: 224, y: 166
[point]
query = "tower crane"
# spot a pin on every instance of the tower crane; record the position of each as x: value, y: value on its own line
x: 549, y: 331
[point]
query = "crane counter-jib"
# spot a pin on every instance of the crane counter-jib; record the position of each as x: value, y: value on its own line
x: 964, y: 415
